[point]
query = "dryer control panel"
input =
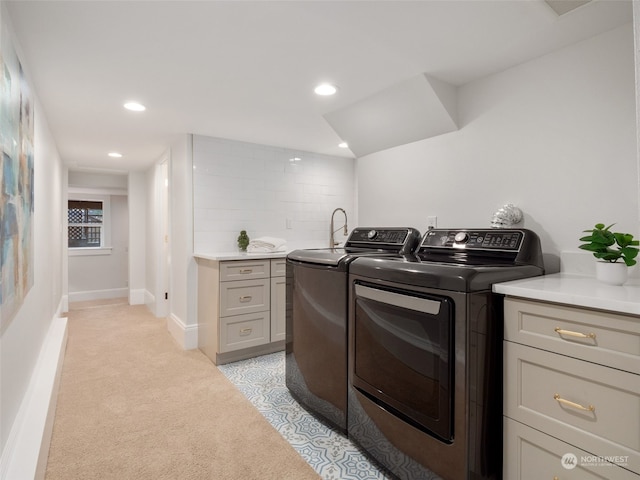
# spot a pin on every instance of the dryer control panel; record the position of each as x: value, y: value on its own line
x: 516, y: 246
x: 506, y: 240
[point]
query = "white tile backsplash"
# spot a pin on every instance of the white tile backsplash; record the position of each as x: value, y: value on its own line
x: 243, y: 186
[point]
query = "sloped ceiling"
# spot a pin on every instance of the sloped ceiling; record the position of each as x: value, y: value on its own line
x: 565, y: 6
x: 418, y: 108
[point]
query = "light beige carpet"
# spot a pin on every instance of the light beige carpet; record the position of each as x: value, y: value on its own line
x: 134, y: 405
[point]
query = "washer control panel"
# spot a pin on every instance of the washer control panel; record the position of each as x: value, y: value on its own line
x: 477, y: 239
x: 396, y: 236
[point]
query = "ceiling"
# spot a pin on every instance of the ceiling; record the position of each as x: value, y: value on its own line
x: 245, y: 70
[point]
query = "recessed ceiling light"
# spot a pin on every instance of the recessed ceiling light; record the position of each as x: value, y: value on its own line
x: 115, y: 155
x: 325, y: 89
x: 343, y: 145
x: 135, y: 107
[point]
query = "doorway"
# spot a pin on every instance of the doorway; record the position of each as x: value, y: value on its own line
x: 97, y: 237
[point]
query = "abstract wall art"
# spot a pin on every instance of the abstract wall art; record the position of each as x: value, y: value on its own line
x: 16, y: 179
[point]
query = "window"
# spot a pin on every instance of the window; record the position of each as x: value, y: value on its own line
x: 86, y: 227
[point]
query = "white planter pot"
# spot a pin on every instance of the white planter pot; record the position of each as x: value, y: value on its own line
x: 612, y: 273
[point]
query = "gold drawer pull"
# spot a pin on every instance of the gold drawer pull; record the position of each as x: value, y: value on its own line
x: 245, y: 299
x: 569, y: 333
x: 246, y: 270
x: 556, y: 478
x: 245, y: 331
x: 590, y: 408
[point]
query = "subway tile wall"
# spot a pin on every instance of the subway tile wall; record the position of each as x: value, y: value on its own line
x: 260, y: 189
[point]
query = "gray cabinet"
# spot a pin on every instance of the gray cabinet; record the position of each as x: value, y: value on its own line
x: 571, y: 392
x: 240, y: 308
x: 278, y: 299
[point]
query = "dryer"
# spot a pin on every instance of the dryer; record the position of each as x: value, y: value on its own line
x: 425, y: 365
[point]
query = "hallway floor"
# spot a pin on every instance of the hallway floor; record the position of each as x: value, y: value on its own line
x: 132, y: 405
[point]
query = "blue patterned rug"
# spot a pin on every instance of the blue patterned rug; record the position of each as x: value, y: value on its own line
x: 331, y: 454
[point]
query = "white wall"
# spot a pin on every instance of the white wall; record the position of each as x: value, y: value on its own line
x: 257, y: 188
x: 22, y: 340
x: 110, y: 182
x: 636, y: 29
x: 137, y: 237
x: 150, y: 252
x: 182, y: 321
x: 156, y: 245
x: 556, y: 136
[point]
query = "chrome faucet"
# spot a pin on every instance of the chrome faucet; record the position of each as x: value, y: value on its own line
x: 332, y: 242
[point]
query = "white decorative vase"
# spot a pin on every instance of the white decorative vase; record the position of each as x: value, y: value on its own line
x: 612, y: 273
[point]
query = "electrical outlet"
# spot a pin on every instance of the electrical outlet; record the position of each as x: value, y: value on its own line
x: 432, y: 222
x: 289, y: 223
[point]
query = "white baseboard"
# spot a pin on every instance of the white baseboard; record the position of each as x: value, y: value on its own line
x: 27, y: 448
x: 150, y: 301
x: 98, y: 294
x: 185, y: 335
x: 153, y: 304
x: 136, y: 297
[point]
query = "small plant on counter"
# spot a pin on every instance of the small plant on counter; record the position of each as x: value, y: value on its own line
x: 610, y: 246
x: 243, y: 240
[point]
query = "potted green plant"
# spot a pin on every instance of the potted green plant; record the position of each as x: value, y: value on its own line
x: 243, y: 241
x: 610, y: 247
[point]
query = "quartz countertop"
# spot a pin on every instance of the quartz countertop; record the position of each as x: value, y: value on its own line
x: 577, y: 290
x: 220, y: 256
x: 237, y: 255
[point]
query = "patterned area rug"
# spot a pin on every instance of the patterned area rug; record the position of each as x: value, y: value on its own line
x: 331, y: 454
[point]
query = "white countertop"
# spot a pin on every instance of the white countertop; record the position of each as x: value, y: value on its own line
x: 577, y: 290
x: 219, y: 256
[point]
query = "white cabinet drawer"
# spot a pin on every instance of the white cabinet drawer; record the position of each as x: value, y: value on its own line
x: 532, y: 455
x: 245, y: 296
x: 278, y: 267
x: 244, y: 331
x: 600, y: 337
x: 244, y: 270
x: 554, y: 393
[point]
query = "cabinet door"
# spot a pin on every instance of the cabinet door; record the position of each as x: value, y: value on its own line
x: 532, y: 455
x: 244, y: 270
x: 244, y: 296
x: 244, y: 331
x: 278, y: 267
x: 587, y: 405
x: 605, y: 338
x: 278, y: 300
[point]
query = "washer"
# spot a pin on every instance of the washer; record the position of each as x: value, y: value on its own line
x: 425, y: 352
x: 316, y: 316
